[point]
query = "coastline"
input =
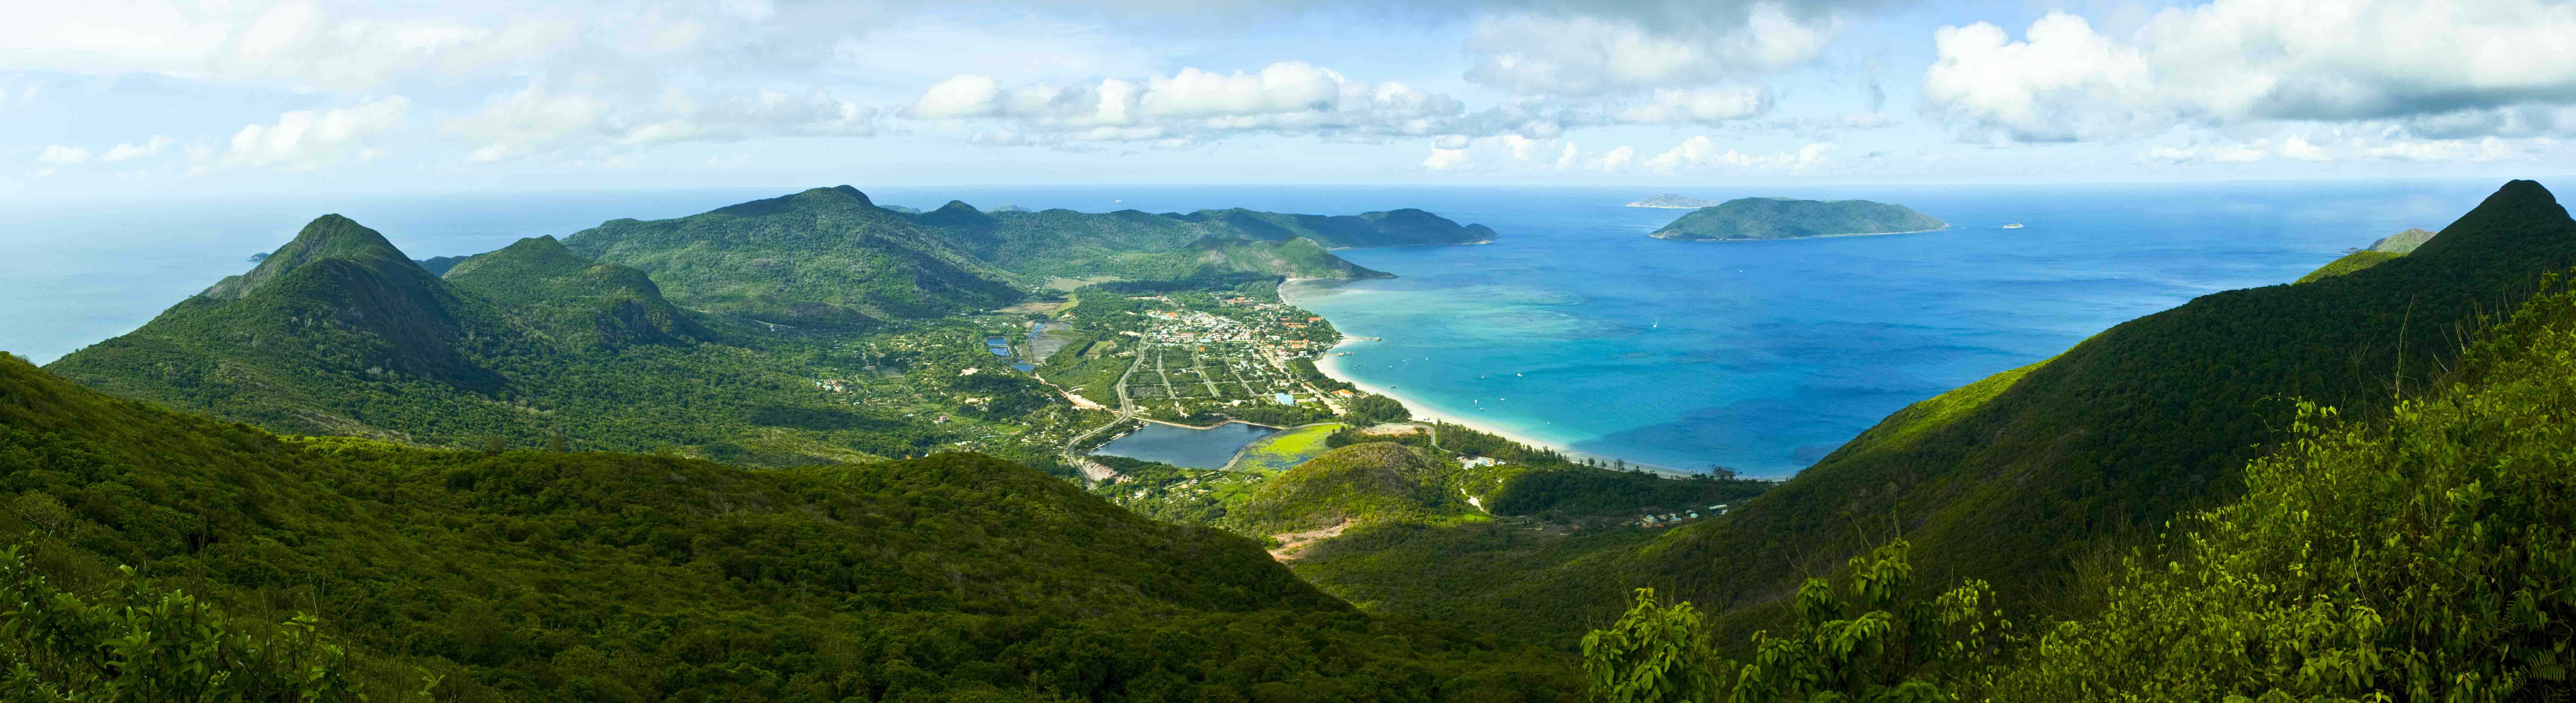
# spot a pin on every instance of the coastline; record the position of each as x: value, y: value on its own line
x: 1811, y: 236
x: 1330, y: 366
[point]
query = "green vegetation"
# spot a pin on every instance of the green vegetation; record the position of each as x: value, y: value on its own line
x: 1283, y: 451
x: 1139, y: 245
x: 1361, y: 483
x: 2423, y: 554
x: 823, y: 257
x: 2403, y: 242
x: 1372, y: 409
x: 2349, y: 263
x: 2139, y: 424
x: 535, y: 576
x: 1783, y: 218
x: 341, y: 334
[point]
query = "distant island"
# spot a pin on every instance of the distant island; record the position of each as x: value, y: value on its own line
x: 259, y: 257
x: 1784, y: 218
x: 1669, y: 200
x: 2402, y: 242
x: 2015, y: 225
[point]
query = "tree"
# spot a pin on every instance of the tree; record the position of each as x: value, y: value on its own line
x: 1374, y: 409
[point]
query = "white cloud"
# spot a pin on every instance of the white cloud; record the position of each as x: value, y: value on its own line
x: 1289, y: 97
x: 1705, y: 106
x: 1444, y: 159
x: 1592, y: 53
x: 2487, y: 149
x: 1701, y: 152
x: 535, y: 119
x: 2297, y: 147
x: 306, y: 139
x: 1569, y: 158
x: 59, y: 155
x: 2233, y: 61
x: 1612, y: 161
x: 149, y: 148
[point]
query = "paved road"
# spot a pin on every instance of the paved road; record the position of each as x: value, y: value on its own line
x: 1126, y: 410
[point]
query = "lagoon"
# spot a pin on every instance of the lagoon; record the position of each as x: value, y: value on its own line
x: 1187, y: 447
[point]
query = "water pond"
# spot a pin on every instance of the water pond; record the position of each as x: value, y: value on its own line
x: 1185, y: 447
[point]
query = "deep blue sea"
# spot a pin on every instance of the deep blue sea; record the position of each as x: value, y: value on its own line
x: 1574, y: 329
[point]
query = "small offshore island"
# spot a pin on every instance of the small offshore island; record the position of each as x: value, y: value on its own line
x: 1784, y: 218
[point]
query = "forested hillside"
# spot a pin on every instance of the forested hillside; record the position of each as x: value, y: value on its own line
x: 2140, y: 423
x: 825, y: 256
x: 339, y: 333
x: 539, y: 576
x: 2420, y: 553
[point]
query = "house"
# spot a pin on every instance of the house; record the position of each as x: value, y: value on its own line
x: 1345, y: 393
x: 1472, y: 461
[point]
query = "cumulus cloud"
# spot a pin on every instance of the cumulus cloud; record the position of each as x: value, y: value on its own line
x: 306, y: 139
x: 149, y: 148
x: 1702, y: 152
x: 536, y: 119
x: 59, y: 155
x: 1599, y: 50
x: 2234, y: 61
x: 1617, y: 158
x: 1289, y: 97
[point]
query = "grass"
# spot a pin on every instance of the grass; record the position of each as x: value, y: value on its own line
x: 1280, y: 452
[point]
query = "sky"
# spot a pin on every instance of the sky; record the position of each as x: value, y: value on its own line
x: 225, y: 98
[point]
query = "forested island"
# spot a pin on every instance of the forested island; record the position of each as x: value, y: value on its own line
x: 1784, y: 218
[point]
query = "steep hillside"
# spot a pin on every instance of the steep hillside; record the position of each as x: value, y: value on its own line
x: 2349, y: 263
x: 2131, y: 427
x: 2403, y: 242
x: 574, y: 300
x: 1390, y: 228
x: 531, y: 345
x: 825, y: 257
x: 1295, y: 258
x: 533, y: 576
x: 2420, y: 555
x: 335, y: 309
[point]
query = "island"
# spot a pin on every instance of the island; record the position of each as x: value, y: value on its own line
x: 2402, y: 242
x: 1669, y: 200
x: 1783, y: 218
x: 2015, y: 225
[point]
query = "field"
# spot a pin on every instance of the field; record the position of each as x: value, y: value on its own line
x: 1284, y: 451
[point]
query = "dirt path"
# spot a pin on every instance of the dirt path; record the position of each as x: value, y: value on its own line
x: 1292, y: 542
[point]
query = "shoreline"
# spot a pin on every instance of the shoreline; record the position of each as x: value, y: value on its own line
x: 1330, y: 366
x: 1811, y: 236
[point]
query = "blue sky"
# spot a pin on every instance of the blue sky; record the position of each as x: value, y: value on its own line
x: 222, y: 98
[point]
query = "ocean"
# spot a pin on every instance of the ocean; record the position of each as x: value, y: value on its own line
x: 1573, y: 329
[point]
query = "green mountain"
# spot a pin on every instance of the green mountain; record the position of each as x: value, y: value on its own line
x: 1139, y: 245
x: 531, y: 576
x: 2349, y: 263
x: 335, y: 309
x: 825, y: 257
x: 1783, y: 218
x: 2150, y: 418
x: 2402, y: 242
x: 575, y: 301
x: 2422, y: 554
x: 530, y: 345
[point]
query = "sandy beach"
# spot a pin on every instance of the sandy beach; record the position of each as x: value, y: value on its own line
x: 1330, y: 365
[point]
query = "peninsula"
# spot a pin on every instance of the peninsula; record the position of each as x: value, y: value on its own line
x: 1669, y: 200
x: 1783, y: 218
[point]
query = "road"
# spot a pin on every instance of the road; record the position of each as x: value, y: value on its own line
x: 1126, y: 411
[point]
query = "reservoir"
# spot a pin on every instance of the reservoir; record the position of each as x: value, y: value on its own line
x: 1185, y: 447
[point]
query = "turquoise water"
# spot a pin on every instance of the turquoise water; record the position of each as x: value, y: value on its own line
x: 1185, y: 447
x: 1573, y: 329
